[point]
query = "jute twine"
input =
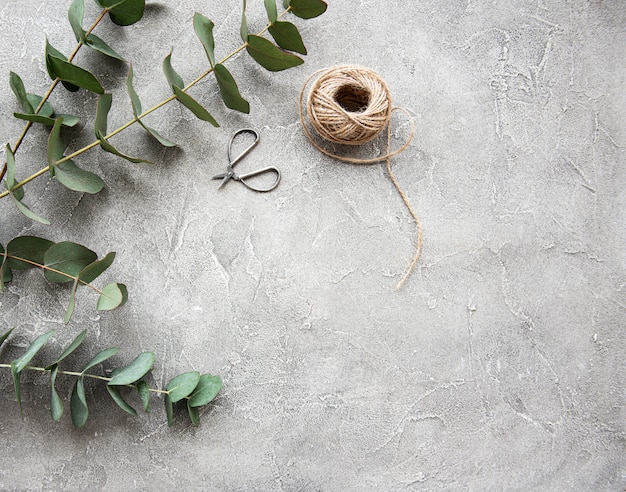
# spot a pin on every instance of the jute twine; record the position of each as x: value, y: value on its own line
x: 351, y: 105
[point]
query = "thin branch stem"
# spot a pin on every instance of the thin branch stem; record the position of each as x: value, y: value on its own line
x: 137, y: 118
x: 44, y: 267
x: 81, y: 374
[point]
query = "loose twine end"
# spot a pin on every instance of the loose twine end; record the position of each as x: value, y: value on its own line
x: 351, y: 105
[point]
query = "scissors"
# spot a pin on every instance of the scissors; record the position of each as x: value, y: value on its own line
x: 230, y: 173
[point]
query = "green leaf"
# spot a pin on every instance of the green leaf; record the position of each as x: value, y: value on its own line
x: 104, y: 143
x: 194, y: 414
x: 172, y: 77
x: 77, y: 179
x: 29, y: 248
x: 182, y: 385
x: 207, y: 389
x: 17, y: 385
x: 270, y: 57
x: 126, y: 12
x: 286, y: 4
x: 113, y: 296
x: 287, y: 36
x: 56, y: 405
x: 46, y: 107
x: 169, y: 410
x: 5, y: 335
x: 100, y: 357
x: 102, y: 113
x: 272, y: 13
x: 73, y: 74
x: 70, y: 307
x: 243, y: 30
x: 55, y: 146
x: 204, y: 30
x: 115, y: 393
x: 95, y: 269
x: 144, y: 395
x: 97, y: 44
x: 134, y: 98
x: 307, y: 9
x: 52, y: 51
x: 73, y: 346
x: 16, y: 197
x: 158, y: 137
x: 17, y: 86
x: 27, y: 211
x: 229, y: 90
x: 68, y: 119
x: 5, y: 272
x: 69, y: 258
x: 193, y: 105
x: 78, y: 404
x: 133, y: 371
x: 76, y: 15
x: 31, y: 351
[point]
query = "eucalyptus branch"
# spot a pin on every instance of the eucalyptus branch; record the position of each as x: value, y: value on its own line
x: 196, y: 389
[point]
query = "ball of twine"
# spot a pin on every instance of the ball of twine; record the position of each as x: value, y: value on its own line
x: 351, y: 105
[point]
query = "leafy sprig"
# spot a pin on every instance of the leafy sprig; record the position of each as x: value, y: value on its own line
x: 62, y: 262
x: 195, y: 389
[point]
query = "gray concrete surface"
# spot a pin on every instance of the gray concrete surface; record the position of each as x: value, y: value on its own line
x: 499, y: 366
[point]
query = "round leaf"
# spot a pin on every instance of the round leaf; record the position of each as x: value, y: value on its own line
x: 182, y: 385
x: 113, y: 296
x: 68, y: 258
x: 133, y: 371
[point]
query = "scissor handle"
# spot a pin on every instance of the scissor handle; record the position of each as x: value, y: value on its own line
x: 245, y: 152
x: 270, y: 169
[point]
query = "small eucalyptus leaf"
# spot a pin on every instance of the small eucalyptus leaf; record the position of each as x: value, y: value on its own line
x: 73, y: 74
x: 169, y: 410
x: 113, y: 296
x: 76, y: 15
x: 194, y: 414
x: 270, y: 57
x: 56, y: 405
x: 157, y: 136
x: 102, y: 113
x: 243, y: 30
x: 17, y: 386
x: 134, y: 371
x: 207, y: 389
x: 204, y: 30
x: 116, y: 395
x: 6, y: 275
x: 182, y: 385
x: 106, y: 145
x: 193, y: 105
x: 172, y: 77
x: 77, y: 179
x: 68, y: 120
x: 78, y: 404
x: 134, y: 98
x: 72, y: 304
x: 229, y: 90
x: 27, y: 212
x: 95, y: 269
x: 46, y: 107
x: 55, y: 145
x: 97, y: 44
x: 100, y: 357
x: 31, y: 351
x: 144, y: 395
x: 307, y: 9
x: 125, y: 12
x: 67, y: 259
x: 29, y: 248
x: 287, y: 36
x: 17, y: 86
x: 73, y: 346
x: 4, y: 336
x: 270, y: 8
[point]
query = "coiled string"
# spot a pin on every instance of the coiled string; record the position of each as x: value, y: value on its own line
x: 351, y: 105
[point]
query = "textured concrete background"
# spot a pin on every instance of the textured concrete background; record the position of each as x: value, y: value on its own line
x: 499, y: 366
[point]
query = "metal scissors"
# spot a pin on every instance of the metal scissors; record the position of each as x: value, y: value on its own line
x: 230, y: 173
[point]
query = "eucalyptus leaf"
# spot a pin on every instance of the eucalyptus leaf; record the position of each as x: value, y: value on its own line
x: 4, y: 336
x: 53, y: 52
x: 100, y: 357
x: 72, y: 304
x: 46, y: 107
x: 77, y: 179
x: 270, y: 57
x: 229, y: 90
x: 134, y: 98
x: 27, y: 211
x: 73, y: 346
x: 134, y: 371
x: 73, y: 74
x: 56, y: 405
x: 69, y: 259
x: 182, y: 385
x: 97, y: 44
x: 113, y: 296
x: 193, y: 105
x: 126, y: 12
x: 17, y: 386
x: 207, y: 389
x: 204, y: 30
x: 287, y: 36
x: 31, y: 351
x: 76, y: 15
x: 144, y: 395
x: 5, y: 274
x: 172, y: 77
x: 106, y: 145
x: 307, y: 9
x: 78, y: 404
x: 243, y: 30
x: 16, y: 197
x: 169, y: 410
x: 17, y: 86
x: 95, y: 269
x: 286, y: 4
x: 103, y: 107
x: 270, y: 8
x: 68, y: 120
x: 29, y: 248
x: 55, y: 145
x: 194, y: 414
x: 116, y: 395
x: 166, y: 142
